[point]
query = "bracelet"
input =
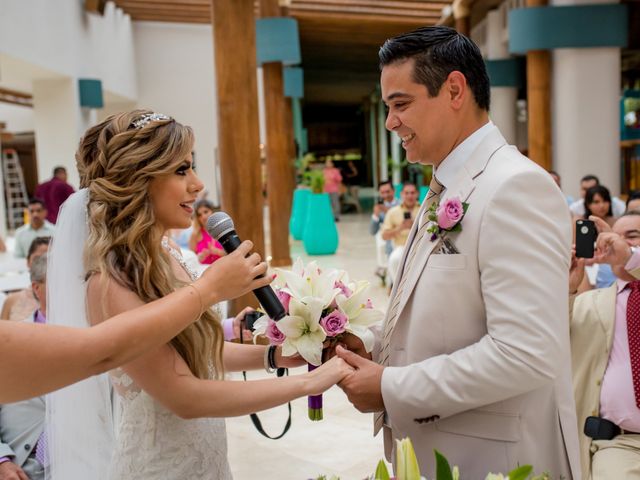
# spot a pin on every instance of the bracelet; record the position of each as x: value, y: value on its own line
x: 199, y: 298
x: 272, y: 357
x: 267, y: 360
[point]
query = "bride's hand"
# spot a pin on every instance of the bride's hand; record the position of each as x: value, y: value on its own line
x: 233, y: 275
x: 327, y: 375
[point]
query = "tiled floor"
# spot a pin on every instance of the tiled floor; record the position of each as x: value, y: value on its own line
x: 342, y: 444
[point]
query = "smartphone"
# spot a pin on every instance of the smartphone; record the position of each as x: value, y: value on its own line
x: 407, y: 215
x: 380, y: 201
x: 586, y: 235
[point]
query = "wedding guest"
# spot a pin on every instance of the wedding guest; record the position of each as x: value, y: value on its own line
x: 597, y: 202
x: 473, y: 358
x: 38, y: 359
x: 397, y: 225
x: 38, y: 226
x: 605, y: 356
x: 587, y: 182
x: 54, y: 192
x: 21, y: 305
x: 556, y: 178
x: 386, y: 201
x: 332, y: 183
x: 207, y: 249
x: 178, y: 392
x: 349, y: 173
x: 22, y: 448
x: 633, y: 201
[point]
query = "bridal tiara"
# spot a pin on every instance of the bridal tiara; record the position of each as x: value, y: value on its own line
x: 147, y: 118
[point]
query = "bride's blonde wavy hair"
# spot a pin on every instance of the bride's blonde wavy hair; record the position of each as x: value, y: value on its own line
x: 117, y: 161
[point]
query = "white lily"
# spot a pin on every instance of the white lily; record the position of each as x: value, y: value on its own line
x: 304, y: 283
x: 360, y: 318
x: 260, y: 327
x: 303, y: 331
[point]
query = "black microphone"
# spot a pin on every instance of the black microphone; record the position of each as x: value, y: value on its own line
x: 220, y: 226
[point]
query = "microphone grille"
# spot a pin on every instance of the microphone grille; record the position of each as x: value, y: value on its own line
x: 219, y: 224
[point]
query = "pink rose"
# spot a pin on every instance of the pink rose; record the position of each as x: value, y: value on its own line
x: 284, y: 298
x: 273, y: 333
x: 334, y: 324
x: 449, y: 213
x: 343, y: 288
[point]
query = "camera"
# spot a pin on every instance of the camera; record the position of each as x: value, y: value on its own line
x: 380, y: 201
x: 250, y: 318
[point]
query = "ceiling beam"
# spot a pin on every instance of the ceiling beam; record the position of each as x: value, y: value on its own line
x: 15, y: 98
x: 400, y: 7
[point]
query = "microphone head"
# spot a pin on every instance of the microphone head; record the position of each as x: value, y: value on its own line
x: 219, y: 224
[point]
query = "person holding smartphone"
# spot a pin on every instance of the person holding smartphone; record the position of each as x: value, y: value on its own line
x: 397, y: 224
x: 605, y: 327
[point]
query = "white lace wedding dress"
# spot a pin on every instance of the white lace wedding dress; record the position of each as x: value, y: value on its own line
x: 152, y: 443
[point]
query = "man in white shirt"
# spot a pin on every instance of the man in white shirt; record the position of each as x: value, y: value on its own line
x: 577, y: 208
x: 38, y: 226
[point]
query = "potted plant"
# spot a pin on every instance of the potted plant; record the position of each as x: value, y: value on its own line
x: 320, y: 235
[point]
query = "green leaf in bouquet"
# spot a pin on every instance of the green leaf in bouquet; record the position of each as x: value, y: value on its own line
x: 381, y: 472
x: 521, y: 473
x: 443, y: 469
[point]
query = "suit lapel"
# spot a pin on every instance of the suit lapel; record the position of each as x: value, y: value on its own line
x: 462, y: 188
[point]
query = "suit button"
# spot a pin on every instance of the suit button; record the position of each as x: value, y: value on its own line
x: 27, y: 446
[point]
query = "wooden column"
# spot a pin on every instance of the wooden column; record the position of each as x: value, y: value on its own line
x: 462, y: 16
x: 238, y: 127
x: 279, y: 191
x: 539, y: 102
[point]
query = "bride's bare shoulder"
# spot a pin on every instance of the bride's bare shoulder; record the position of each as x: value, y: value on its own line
x: 106, y: 297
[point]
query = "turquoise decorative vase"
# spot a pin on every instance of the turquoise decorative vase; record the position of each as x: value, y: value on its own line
x: 299, y: 212
x: 424, y: 189
x: 320, y: 236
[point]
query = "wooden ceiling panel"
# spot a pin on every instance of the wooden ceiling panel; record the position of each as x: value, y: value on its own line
x: 339, y: 39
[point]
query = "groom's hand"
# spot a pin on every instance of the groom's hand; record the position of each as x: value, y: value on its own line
x: 363, y: 387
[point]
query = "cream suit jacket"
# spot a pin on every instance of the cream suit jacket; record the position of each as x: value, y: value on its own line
x: 592, y: 327
x: 480, y: 364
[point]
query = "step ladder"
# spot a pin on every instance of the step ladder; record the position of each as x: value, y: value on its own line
x: 14, y: 188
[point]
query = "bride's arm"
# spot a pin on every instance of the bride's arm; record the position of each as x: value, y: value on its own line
x: 164, y: 375
x: 239, y: 357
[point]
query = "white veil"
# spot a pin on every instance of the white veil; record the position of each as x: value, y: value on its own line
x: 79, y: 424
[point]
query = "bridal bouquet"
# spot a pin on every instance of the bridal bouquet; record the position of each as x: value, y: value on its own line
x: 321, y: 306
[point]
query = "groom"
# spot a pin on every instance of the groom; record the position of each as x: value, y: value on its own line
x: 473, y: 357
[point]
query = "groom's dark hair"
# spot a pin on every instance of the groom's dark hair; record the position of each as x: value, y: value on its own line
x: 438, y: 51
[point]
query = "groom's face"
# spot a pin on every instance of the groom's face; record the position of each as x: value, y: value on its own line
x: 423, y: 123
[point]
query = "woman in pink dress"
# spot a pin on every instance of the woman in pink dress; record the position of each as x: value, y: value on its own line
x: 332, y: 181
x: 207, y: 248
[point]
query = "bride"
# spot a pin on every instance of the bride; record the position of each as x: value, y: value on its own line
x: 137, y: 170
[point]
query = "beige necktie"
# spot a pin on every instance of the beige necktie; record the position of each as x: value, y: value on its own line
x: 435, y: 189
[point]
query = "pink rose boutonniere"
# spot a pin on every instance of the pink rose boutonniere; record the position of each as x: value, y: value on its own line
x: 446, y: 217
